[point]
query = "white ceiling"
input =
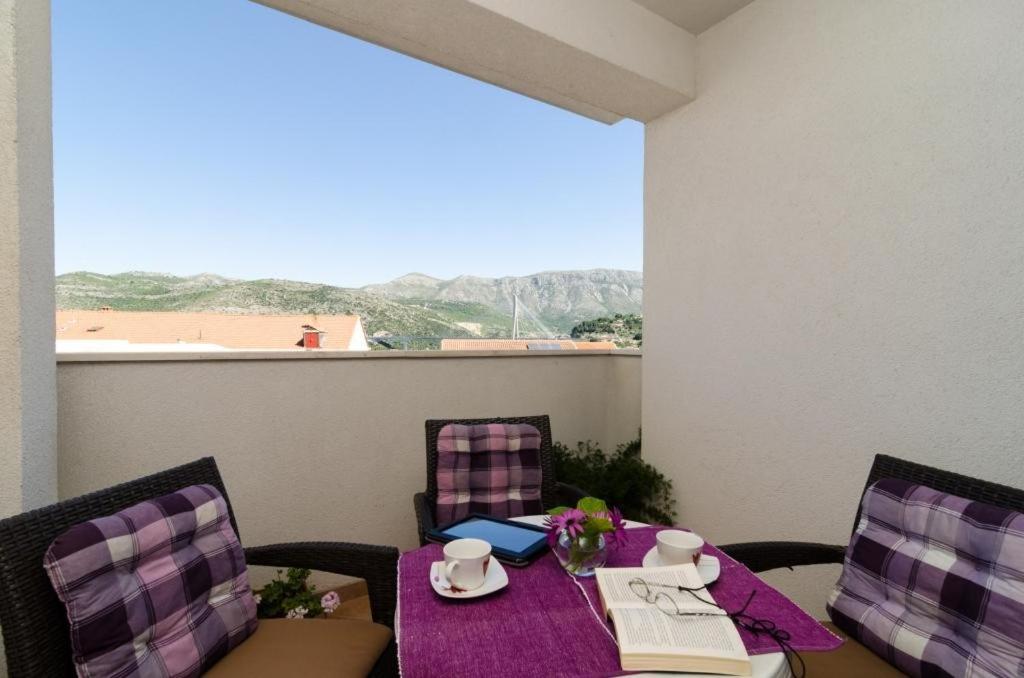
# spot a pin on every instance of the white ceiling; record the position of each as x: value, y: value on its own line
x: 696, y: 16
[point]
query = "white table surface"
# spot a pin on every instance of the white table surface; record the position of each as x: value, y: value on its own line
x: 772, y: 665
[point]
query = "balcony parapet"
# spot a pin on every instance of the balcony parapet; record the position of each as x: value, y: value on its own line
x: 324, y: 354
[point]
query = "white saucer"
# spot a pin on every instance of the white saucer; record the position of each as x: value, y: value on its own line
x: 709, y: 567
x: 495, y: 580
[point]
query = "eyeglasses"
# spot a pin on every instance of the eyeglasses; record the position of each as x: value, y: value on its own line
x: 666, y: 603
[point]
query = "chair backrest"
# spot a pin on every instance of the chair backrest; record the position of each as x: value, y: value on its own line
x: 35, y: 625
x: 885, y: 466
x: 549, y: 486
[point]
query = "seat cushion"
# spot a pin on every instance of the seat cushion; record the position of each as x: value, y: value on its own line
x: 934, y: 583
x: 488, y: 468
x: 852, y: 660
x: 312, y: 648
x: 158, y: 589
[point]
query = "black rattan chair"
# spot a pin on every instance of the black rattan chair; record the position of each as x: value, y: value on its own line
x: 35, y: 626
x: 769, y: 555
x: 553, y: 493
x: 853, y: 659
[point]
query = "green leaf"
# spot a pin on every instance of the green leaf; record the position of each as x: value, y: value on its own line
x: 592, y: 505
x: 622, y: 478
x: 558, y: 510
x: 286, y: 593
x: 596, y: 526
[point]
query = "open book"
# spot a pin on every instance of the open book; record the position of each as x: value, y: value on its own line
x: 650, y: 640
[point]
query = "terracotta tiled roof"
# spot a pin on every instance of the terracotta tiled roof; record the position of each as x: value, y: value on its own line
x: 522, y: 344
x: 223, y: 329
x: 595, y: 345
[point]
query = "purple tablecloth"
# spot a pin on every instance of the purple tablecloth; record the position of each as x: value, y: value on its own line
x: 543, y: 619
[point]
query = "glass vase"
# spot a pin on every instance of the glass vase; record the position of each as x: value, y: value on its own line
x: 580, y: 556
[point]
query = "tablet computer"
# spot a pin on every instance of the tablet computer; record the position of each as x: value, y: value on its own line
x: 511, y: 542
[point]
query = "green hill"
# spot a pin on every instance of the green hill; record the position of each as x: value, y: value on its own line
x: 626, y: 330
x: 414, y: 305
x: 555, y: 300
x: 381, y: 316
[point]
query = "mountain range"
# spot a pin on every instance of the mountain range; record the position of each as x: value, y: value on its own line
x: 416, y: 305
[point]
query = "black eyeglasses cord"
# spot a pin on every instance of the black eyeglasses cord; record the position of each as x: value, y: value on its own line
x: 768, y: 627
x: 755, y: 626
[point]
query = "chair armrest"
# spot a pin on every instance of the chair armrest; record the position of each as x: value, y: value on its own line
x: 378, y: 565
x: 424, y: 515
x: 769, y: 555
x: 569, y: 495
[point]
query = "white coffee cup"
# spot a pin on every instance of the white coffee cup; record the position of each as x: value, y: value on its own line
x: 676, y: 547
x: 465, y: 563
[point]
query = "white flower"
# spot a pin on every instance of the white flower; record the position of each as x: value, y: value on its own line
x: 297, y: 613
x: 257, y: 597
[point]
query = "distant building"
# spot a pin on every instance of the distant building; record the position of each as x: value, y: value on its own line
x: 524, y: 345
x: 106, y: 330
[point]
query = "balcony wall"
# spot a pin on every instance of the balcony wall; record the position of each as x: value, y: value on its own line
x: 834, y: 262
x: 319, y: 446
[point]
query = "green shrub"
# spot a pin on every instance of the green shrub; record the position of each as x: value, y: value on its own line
x: 623, y: 479
x: 282, y: 597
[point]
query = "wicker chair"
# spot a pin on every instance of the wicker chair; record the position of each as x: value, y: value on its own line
x: 769, y: 555
x: 853, y: 659
x: 35, y: 626
x: 553, y: 493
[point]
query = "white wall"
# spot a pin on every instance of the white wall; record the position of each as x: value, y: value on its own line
x: 834, y: 261
x: 604, y: 60
x: 358, y: 340
x: 320, y: 448
x: 28, y: 401
x: 28, y: 419
x: 623, y: 411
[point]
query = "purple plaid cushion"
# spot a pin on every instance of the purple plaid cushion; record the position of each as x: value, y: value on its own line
x: 158, y: 589
x: 934, y: 583
x: 488, y: 468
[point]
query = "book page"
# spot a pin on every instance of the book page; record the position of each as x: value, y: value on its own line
x: 649, y: 631
x: 614, y: 588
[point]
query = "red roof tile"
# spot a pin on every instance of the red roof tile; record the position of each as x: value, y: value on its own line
x: 223, y: 329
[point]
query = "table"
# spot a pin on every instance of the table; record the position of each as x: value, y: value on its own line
x: 527, y: 628
x: 762, y: 665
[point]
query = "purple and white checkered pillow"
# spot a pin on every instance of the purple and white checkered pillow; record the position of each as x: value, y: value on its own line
x: 488, y: 468
x: 934, y: 583
x: 158, y: 589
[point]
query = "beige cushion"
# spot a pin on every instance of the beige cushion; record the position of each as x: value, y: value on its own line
x: 852, y: 660
x: 313, y: 648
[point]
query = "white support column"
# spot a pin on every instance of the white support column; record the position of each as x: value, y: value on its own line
x: 605, y: 59
x: 28, y: 381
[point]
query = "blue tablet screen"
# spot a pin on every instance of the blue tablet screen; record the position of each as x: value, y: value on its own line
x: 498, y: 535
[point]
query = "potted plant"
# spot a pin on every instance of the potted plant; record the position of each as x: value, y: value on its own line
x: 622, y: 477
x: 293, y: 597
x: 580, y: 536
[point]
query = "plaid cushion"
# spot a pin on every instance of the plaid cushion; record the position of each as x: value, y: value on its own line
x: 934, y: 583
x: 158, y: 589
x: 488, y: 468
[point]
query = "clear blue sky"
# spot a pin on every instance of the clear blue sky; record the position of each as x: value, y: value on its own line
x: 222, y: 136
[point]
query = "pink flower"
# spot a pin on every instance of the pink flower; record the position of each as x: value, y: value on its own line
x: 330, y: 602
x: 618, y: 534
x: 571, y: 521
